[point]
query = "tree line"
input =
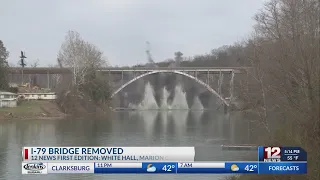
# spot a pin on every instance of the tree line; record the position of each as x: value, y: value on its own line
x: 85, y: 90
x: 283, y: 87
x: 4, y: 54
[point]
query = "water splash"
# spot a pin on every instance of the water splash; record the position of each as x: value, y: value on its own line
x: 180, y: 99
x: 197, y: 105
x: 148, y: 102
x: 164, y: 100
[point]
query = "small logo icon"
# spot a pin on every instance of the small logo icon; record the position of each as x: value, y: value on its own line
x: 234, y: 167
x: 272, y: 154
x: 151, y: 168
x: 34, y: 166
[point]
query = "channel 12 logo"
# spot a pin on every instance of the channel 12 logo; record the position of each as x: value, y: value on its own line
x: 272, y: 154
x: 34, y: 168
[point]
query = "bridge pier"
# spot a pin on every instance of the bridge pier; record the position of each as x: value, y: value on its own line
x: 220, y: 80
x: 48, y: 79
x: 231, y: 86
x: 121, y: 78
x: 109, y: 77
x: 225, y: 108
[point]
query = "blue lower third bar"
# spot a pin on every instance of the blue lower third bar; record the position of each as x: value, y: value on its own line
x: 218, y: 168
x: 283, y: 167
x: 135, y: 168
x: 178, y: 168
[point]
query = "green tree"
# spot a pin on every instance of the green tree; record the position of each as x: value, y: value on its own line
x: 4, y: 54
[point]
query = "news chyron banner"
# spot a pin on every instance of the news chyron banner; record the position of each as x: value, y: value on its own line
x: 165, y: 160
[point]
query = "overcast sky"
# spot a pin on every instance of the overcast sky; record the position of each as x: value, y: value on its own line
x: 120, y: 28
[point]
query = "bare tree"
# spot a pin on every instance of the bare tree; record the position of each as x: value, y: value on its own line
x: 292, y: 59
x: 285, y: 57
x: 35, y: 64
x: 80, y: 56
x: 56, y: 77
x: 88, y: 89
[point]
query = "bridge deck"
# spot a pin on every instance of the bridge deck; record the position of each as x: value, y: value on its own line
x: 47, y: 70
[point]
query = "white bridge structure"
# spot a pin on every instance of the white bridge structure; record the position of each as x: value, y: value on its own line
x: 205, y: 76
x: 192, y: 73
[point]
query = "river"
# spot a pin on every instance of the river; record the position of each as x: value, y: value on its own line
x: 207, y: 131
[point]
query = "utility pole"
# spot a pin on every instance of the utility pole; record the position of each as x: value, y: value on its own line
x: 22, y: 64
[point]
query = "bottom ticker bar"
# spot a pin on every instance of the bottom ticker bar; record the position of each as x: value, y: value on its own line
x: 168, y: 168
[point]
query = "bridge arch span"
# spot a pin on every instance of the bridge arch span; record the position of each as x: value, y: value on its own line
x: 175, y: 72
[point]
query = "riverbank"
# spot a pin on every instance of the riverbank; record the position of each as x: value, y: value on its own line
x: 283, y: 136
x: 32, y: 110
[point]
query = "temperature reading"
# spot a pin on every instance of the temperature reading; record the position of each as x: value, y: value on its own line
x: 289, y: 158
x: 168, y: 168
x: 250, y: 168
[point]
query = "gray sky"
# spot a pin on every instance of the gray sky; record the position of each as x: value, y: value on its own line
x: 120, y: 28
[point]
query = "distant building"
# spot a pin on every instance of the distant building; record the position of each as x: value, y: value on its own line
x: 8, y: 99
x: 38, y: 96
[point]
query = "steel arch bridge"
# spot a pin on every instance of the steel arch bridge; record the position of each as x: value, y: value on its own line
x: 194, y: 73
x: 226, y: 101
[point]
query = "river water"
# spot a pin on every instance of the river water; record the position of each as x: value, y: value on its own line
x: 207, y: 131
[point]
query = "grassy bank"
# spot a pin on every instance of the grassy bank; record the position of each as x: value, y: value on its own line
x: 32, y: 110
